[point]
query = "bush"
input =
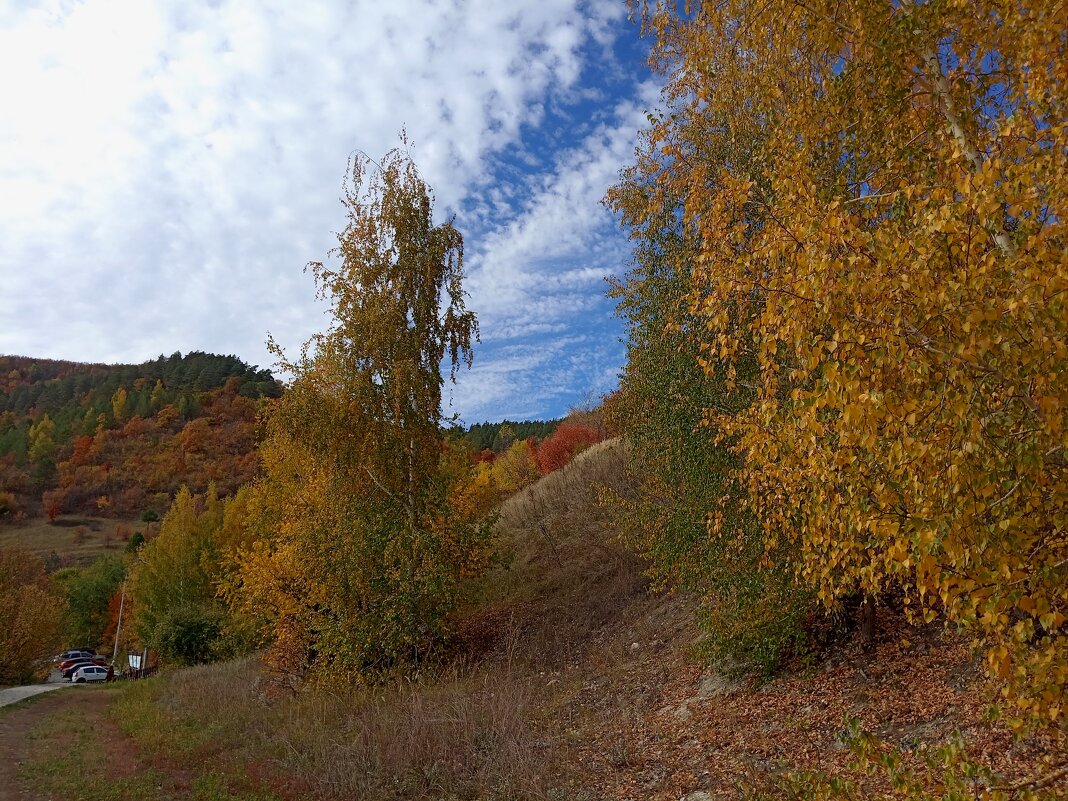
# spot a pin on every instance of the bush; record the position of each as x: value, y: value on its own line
x: 561, y: 447
x: 9, y: 504
x: 188, y: 634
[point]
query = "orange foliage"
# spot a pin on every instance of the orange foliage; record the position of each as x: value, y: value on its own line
x: 148, y: 459
x: 83, y: 451
x: 52, y: 505
x: 559, y: 448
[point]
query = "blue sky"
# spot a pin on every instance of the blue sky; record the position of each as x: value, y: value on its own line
x: 167, y: 169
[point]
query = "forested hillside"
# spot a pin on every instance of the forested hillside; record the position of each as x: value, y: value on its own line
x: 499, y: 437
x: 119, y: 440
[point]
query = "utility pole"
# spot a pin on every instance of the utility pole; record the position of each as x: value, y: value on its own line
x: 118, y: 626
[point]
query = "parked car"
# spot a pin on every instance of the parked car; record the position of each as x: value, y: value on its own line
x: 66, y: 663
x: 89, y: 673
x: 74, y: 653
x: 68, y: 668
x: 77, y: 656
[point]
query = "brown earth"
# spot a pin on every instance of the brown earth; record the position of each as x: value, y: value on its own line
x: 75, y: 540
x: 22, y: 727
x: 47, y: 727
x: 668, y: 728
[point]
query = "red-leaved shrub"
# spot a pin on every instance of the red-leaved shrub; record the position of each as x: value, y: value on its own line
x: 559, y: 448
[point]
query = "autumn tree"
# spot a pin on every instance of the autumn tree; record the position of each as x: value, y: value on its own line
x: 363, y: 550
x: 515, y: 468
x: 118, y: 404
x: 563, y: 444
x: 894, y: 263
x: 88, y: 591
x: 752, y: 610
x: 175, y: 582
x: 42, y: 439
x: 42, y: 450
x: 32, y: 609
x: 171, y: 575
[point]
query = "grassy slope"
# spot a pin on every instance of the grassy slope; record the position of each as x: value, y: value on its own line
x: 98, y: 536
x: 571, y: 681
x: 507, y: 718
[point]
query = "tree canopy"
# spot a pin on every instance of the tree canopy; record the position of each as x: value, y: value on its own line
x: 872, y: 201
x: 363, y: 539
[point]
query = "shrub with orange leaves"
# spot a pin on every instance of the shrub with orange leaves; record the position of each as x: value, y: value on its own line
x: 560, y: 448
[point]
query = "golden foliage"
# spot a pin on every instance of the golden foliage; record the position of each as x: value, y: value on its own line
x: 366, y: 525
x: 892, y: 253
x: 515, y: 468
x: 32, y: 609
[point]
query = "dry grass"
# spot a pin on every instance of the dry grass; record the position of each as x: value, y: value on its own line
x: 455, y: 735
x: 571, y: 681
x: 562, y: 576
x: 77, y: 541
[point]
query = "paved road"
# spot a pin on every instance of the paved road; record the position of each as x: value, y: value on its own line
x: 14, y: 694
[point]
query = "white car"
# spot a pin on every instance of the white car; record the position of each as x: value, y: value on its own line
x: 89, y: 673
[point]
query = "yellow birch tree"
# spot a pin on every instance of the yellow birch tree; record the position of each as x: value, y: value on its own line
x: 895, y: 262
x: 364, y: 533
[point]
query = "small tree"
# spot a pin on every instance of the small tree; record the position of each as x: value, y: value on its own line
x: 364, y: 552
x: 52, y: 501
x: 174, y: 576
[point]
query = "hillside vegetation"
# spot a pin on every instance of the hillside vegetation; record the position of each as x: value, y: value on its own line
x: 572, y: 678
x: 481, y: 721
x: 117, y: 440
x: 825, y: 557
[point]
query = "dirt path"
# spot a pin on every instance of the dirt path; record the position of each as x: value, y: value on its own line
x: 25, y: 737
x: 15, y: 743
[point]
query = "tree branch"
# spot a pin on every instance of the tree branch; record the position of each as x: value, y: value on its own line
x: 944, y: 93
x: 1037, y: 782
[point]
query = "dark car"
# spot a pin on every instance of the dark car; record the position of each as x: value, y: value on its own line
x: 68, y: 668
x: 75, y: 653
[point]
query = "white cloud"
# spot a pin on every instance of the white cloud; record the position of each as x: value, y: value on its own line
x: 535, y: 380
x: 535, y: 267
x: 167, y: 168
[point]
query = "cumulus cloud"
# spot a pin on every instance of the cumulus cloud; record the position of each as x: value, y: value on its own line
x: 166, y: 169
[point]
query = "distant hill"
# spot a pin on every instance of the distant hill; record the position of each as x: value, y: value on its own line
x: 119, y: 440
x: 497, y: 437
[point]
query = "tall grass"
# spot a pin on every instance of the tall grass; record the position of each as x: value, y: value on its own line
x: 452, y: 736
x: 563, y: 575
